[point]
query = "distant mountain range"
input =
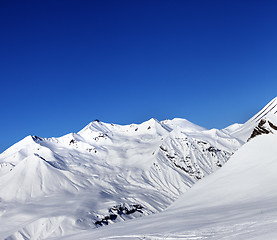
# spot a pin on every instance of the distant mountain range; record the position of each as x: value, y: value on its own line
x: 108, y: 173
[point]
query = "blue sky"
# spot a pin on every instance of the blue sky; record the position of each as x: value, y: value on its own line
x: 65, y: 63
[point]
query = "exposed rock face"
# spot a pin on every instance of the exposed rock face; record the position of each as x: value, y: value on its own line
x: 272, y: 125
x: 119, y: 211
x: 264, y: 127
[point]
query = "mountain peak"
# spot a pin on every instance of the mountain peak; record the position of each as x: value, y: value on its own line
x: 244, y: 131
x: 270, y: 108
x: 184, y: 124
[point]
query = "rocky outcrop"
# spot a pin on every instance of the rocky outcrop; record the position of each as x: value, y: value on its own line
x: 264, y: 127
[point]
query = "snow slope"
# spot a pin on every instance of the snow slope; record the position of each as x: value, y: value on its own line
x: 244, y: 131
x: 106, y: 173
x: 237, y: 202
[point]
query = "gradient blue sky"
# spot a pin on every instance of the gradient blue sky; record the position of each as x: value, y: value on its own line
x: 65, y: 63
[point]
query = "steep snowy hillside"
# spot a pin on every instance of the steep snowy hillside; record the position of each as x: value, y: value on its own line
x: 244, y: 131
x: 238, y: 202
x: 105, y: 173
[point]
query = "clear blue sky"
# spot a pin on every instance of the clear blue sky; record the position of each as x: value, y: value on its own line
x: 65, y: 63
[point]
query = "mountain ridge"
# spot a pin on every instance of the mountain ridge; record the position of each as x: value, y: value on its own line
x: 109, y: 173
x: 240, y: 205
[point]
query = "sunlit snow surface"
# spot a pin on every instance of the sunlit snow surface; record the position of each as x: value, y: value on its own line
x: 237, y: 202
x: 104, y: 174
x: 243, y: 131
x: 85, y: 185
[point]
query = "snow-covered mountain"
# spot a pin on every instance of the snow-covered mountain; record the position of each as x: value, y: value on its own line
x: 244, y: 131
x: 103, y: 174
x: 108, y: 173
x: 237, y: 202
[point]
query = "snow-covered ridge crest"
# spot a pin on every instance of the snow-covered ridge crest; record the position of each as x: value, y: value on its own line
x: 244, y: 131
x: 98, y: 126
x: 269, y: 109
